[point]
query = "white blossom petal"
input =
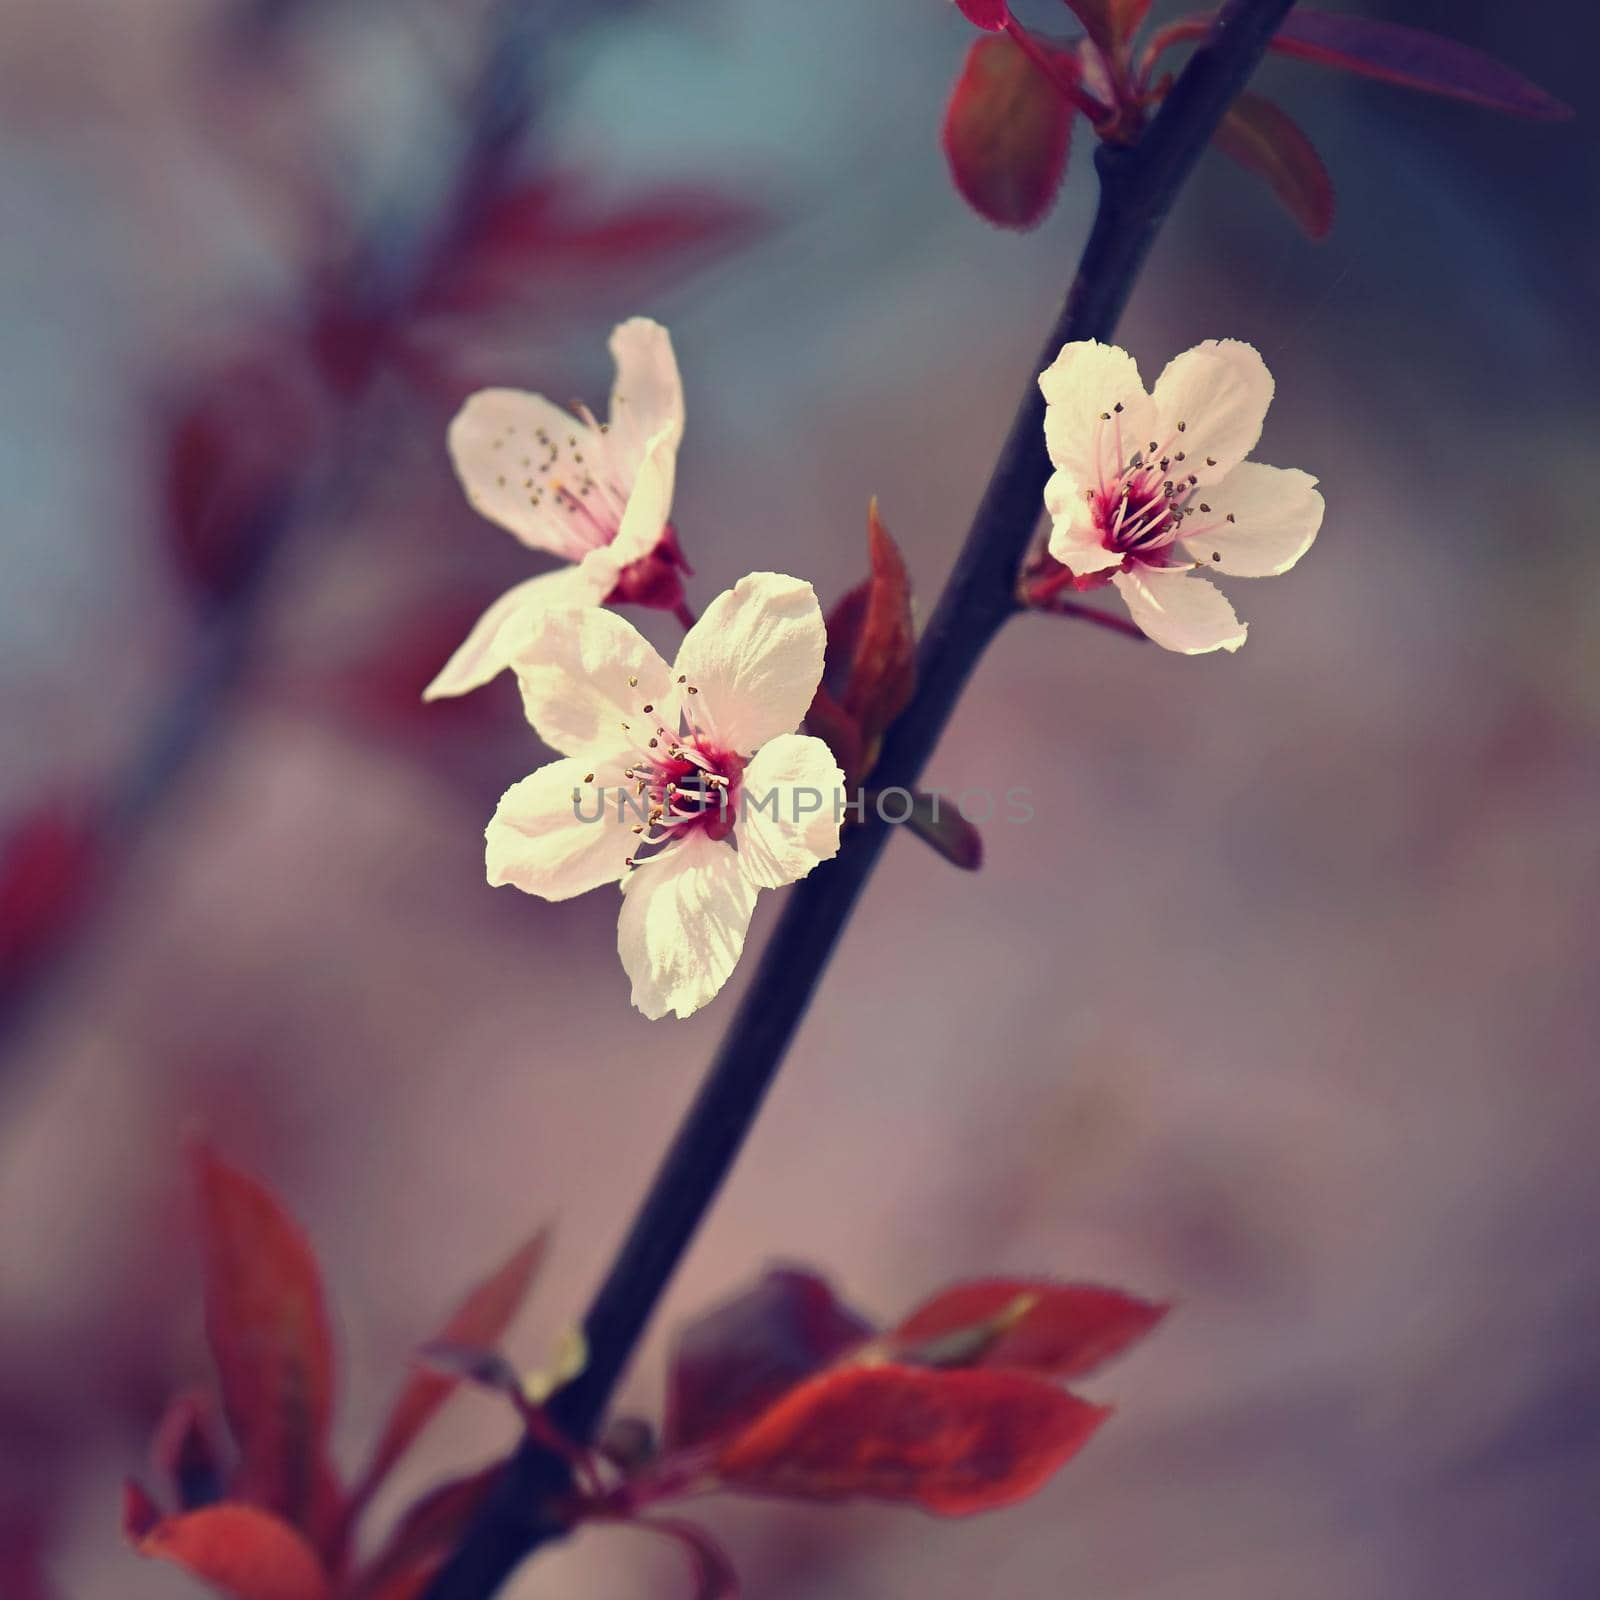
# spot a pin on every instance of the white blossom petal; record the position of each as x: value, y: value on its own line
x: 683, y: 925
x: 479, y: 658
x: 647, y: 397
x: 585, y: 678
x: 546, y: 842
x: 785, y: 839
x: 1180, y: 611
x: 1087, y: 436
x: 496, y: 452
x: 1075, y: 539
x: 1219, y: 391
x: 755, y: 658
x: 1276, y: 514
x: 650, y: 503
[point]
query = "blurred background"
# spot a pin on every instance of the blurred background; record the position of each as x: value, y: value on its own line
x: 1284, y: 1006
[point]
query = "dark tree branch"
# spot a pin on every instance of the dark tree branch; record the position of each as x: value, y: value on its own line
x: 1138, y: 186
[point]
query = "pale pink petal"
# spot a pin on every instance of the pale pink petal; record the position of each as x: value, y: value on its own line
x: 479, y: 659
x: 560, y: 832
x: 1276, y: 512
x: 683, y: 924
x: 1219, y: 391
x: 650, y: 503
x: 755, y: 659
x: 511, y: 474
x: 1075, y: 540
x: 1088, y: 437
x: 780, y: 836
x: 1180, y: 611
x: 647, y: 397
x: 586, y: 677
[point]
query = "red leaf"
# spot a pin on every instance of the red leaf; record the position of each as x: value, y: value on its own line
x: 139, y: 1512
x: 937, y: 822
x: 952, y: 1442
x: 830, y: 722
x: 1006, y: 133
x: 424, y: 1536
x: 990, y: 14
x: 269, y: 1336
x: 1110, y: 23
x: 48, y: 865
x: 870, y: 668
x: 481, y: 1319
x: 738, y: 1359
x: 1265, y: 140
x: 1413, y: 59
x: 714, y: 1577
x: 545, y: 231
x: 1393, y: 53
x: 883, y: 672
x: 243, y: 1551
x: 186, y: 1454
x: 1058, y: 1330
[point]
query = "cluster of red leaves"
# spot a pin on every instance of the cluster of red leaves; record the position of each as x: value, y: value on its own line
x: 868, y: 680
x: 1008, y: 125
x: 276, y: 1522
x: 787, y: 1393
x: 958, y: 1408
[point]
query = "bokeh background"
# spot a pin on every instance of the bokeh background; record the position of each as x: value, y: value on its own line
x: 1284, y: 1006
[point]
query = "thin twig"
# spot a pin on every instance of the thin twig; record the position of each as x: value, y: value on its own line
x: 1138, y: 186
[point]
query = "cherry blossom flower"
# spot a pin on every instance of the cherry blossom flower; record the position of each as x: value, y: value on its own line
x: 687, y: 784
x: 597, y: 494
x: 1148, y: 488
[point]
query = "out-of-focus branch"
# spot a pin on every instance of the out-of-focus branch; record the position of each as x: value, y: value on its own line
x: 374, y: 287
x: 1138, y: 186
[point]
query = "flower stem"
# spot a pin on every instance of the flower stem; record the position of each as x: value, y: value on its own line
x: 1139, y: 184
x: 1065, y: 82
x: 684, y: 614
x: 1059, y: 607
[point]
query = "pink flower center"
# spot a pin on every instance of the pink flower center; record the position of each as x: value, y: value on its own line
x: 1142, y: 511
x: 686, y: 782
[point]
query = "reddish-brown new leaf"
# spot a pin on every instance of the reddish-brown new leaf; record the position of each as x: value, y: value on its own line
x: 952, y: 1442
x: 870, y: 669
x: 1006, y: 132
x: 1059, y: 1330
x: 714, y: 1576
x: 1409, y: 58
x: 883, y: 672
x: 424, y: 1536
x: 740, y: 1357
x: 245, y: 1552
x: 1264, y: 139
x: 1413, y: 59
x: 936, y: 820
x: 1109, y: 22
x: 269, y: 1336
x: 990, y: 14
x: 827, y: 720
x: 481, y: 1319
x: 185, y: 1452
